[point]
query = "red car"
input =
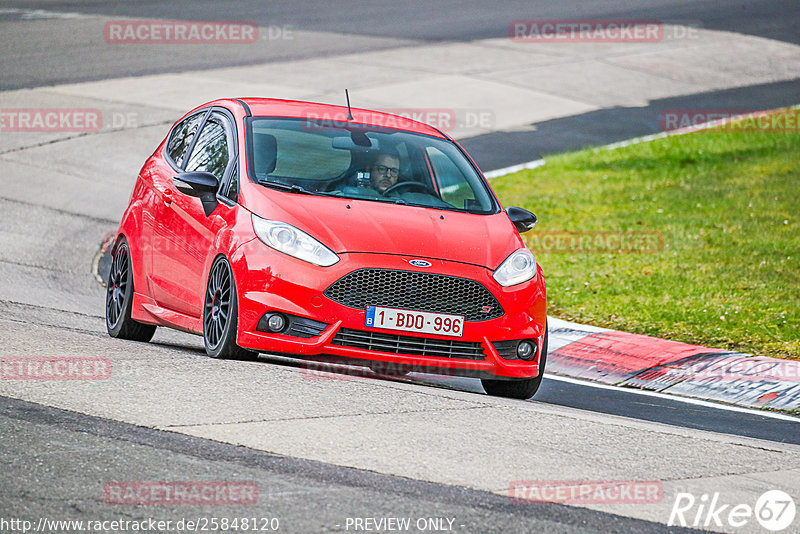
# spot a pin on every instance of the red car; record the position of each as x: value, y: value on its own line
x: 322, y: 231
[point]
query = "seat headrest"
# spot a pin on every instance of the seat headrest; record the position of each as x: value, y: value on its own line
x: 265, y: 148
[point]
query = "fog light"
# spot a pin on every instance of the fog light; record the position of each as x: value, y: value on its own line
x: 276, y: 322
x: 526, y: 350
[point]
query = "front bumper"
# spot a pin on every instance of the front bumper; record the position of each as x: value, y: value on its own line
x: 269, y: 281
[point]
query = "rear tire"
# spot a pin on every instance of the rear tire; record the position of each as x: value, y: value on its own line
x: 119, y: 298
x: 221, y: 315
x: 524, y: 388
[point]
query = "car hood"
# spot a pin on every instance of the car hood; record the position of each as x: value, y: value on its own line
x: 346, y: 225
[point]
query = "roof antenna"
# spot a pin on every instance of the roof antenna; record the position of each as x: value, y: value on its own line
x: 349, y: 115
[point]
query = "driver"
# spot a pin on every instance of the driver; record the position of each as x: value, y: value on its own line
x: 384, y: 171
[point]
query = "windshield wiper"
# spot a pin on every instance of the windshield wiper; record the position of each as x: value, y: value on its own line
x: 292, y: 188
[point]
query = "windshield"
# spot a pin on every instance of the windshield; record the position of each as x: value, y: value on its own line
x: 363, y: 162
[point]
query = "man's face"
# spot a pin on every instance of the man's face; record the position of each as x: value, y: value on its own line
x: 383, y: 173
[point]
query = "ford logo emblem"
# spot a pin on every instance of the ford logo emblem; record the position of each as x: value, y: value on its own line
x: 419, y: 263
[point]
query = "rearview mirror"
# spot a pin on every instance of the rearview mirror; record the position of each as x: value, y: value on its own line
x: 523, y: 219
x: 202, y: 185
x: 356, y: 141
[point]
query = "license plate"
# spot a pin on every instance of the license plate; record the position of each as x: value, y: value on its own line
x: 415, y: 321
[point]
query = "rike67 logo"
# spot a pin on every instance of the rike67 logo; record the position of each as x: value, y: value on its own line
x: 774, y: 510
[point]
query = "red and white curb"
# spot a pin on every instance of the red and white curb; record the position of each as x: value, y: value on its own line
x: 631, y: 360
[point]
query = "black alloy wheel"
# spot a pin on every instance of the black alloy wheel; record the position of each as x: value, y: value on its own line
x: 220, y: 315
x: 119, y: 298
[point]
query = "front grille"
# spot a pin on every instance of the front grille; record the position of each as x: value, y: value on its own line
x: 417, y: 346
x: 415, y: 291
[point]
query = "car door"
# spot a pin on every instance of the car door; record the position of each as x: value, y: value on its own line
x: 157, y: 225
x: 185, y: 234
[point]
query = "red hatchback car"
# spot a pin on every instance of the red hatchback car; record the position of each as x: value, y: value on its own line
x: 319, y: 231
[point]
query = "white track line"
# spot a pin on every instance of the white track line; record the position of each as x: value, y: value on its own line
x: 674, y: 397
x: 514, y: 168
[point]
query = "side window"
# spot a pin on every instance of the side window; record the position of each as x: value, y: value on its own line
x: 210, y: 153
x: 182, y: 137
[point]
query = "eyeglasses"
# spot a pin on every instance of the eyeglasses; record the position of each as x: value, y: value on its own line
x: 392, y: 171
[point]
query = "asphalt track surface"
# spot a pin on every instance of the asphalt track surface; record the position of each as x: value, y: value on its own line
x: 417, y: 20
x: 83, y: 451
x: 305, y: 496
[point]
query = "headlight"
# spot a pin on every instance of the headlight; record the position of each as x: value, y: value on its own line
x: 289, y: 240
x: 517, y: 268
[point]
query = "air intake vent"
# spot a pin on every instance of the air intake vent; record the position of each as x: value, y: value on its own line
x: 418, y: 346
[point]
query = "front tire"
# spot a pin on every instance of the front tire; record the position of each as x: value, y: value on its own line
x: 221, y: 315
x: 524, y: 388
x: 119, y: 298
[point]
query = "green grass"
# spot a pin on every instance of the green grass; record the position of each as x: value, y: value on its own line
x: 727, y: 206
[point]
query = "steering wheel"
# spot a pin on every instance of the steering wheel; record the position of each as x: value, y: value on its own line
x: 403, y: 185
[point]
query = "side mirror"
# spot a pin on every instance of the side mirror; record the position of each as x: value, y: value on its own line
x: 202, y: 185
x: 523, y: 219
